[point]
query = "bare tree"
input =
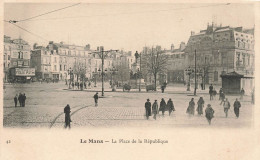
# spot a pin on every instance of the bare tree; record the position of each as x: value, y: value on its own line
x: 79, y: 69
x: 154, y: 62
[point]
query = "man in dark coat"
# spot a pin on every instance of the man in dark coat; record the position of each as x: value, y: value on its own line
x: 20, y: 99
x: 209, y: 113
x: 15, y: 100
x: 147, y: 108
x: 96, y: 99
x: 67, y: 116
x: 220, y: 93
x: 162, y: 106
x: 237, y: 105
x: 170, y: 106
x: 23, y: 100
x: 155, y: 109
x: 200, y: 106
x: 211, y: 92
x: 190, y: 109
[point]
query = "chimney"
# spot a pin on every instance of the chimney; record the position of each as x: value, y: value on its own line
x: 192, y: 33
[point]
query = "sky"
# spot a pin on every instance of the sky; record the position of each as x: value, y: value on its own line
x: 121, y: 26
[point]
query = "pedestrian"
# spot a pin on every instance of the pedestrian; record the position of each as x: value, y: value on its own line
x: 23, y: 100
x: 162, y: 106
x: 162, y: 88
x: 237, y: 105
x: 211, y: 92
x: 85, y: 86
x: 201, y: 85
x: 81, y: 86
x: 220, y: 93
x: 15, y: 100
x: 226, y: 106
x: 209, y: 111
x: 190, y: 109
x: 170, y: 106
x: 67, y: 116
x: 242, y: 93
x: 20, y: 99
x: 155, y: 109
x: 222, y: 98
x: 200, y: 106
x: 72, y: 85
x: 147, y: 108
x: 96, y: 99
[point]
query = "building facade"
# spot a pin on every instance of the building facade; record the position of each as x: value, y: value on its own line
x: 220, y: 50
x: 17, y: 60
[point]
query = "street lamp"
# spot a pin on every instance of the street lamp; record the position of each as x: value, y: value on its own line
x: 70, y: 72
x: 189, y: 71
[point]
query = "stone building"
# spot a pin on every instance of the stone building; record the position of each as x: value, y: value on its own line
x: 220, y: 50
x: 16, y: 60
x: 176, y: 64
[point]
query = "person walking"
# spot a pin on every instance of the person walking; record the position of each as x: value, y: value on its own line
x: 15, y: 100
x: 20, y: 99
x: 147, y: 108
x: 162, y: 106
x: 220, y: 93
x: 24, y: 98
x: 222, y: 98
x: 67, y: 116
x: 96, y: 99
x: 170, y: 106
x: 211, y: 92
x: 155, y: 109
x: 226, y: 106
x: 209, y: 112
x: 237, y: 105
x: 200, y: 106
x: 242, y: 93
x: 190, y: 109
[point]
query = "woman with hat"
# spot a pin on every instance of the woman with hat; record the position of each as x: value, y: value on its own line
x: 162, y: 106
x: 190, y: 109
x: 170, y: 106
x: 155, y: 109
x: 209, y: 113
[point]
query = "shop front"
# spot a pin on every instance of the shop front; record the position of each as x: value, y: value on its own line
x: 21, y: 75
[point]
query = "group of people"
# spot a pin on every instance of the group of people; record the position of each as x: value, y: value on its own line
x: 20, y: 98
x: 209, y: 111
x: 155, y: 108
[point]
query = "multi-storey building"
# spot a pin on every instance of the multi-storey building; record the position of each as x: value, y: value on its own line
x: 41, y: 61
x: 176, y: 64
x: 17, y: 60
x: 220, y: 50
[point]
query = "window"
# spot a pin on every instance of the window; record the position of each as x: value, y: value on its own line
x: 55, y: 68
x: 65, y: 68
x: 55, y: 59
x: 60, y: 68
x: 244, y: 59
x: 238, y: 59
x: 215, y: 76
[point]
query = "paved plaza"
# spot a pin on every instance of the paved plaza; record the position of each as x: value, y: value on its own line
x: 45, y: 104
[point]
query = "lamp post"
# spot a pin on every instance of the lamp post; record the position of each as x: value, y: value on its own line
x: 102, y: 56
x: 189, y: 71
x: 70, y: 72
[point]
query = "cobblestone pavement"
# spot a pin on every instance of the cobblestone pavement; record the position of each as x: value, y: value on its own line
x: 45, y: 103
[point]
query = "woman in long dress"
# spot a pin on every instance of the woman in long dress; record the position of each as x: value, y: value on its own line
x: 200, y: 106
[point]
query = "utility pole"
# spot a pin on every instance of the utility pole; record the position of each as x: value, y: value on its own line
x: 195, y: 75
x: 140, y: 73
x: 102, y: 56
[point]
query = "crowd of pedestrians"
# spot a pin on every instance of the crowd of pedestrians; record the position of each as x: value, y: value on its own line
x: 155, y: 109
x: 21, y: 98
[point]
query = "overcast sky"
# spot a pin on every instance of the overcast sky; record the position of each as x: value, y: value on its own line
x: 121, y: 26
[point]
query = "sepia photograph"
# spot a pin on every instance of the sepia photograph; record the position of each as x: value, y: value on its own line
x: 83, y: 65
x: 129, y: 80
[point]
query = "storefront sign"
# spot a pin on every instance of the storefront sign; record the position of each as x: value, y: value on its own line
x: 25, y: 71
